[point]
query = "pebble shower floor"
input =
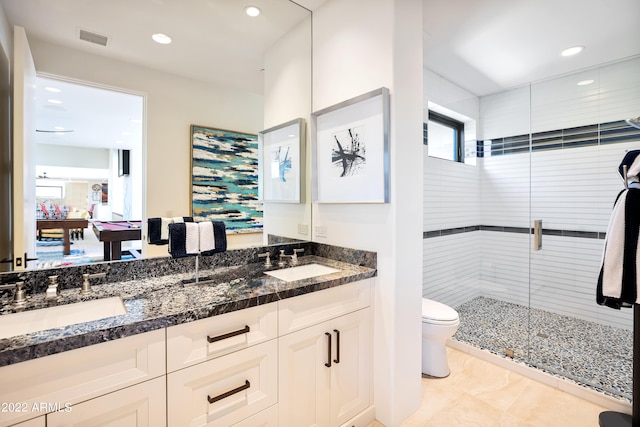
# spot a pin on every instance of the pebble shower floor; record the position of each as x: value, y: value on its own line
x: 595, y: 356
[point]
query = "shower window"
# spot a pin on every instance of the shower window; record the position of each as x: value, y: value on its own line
x: 445, y: 137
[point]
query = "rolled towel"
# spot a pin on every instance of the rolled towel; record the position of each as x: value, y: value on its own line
x: 177, y: 240
x: 207, y: 241
x: 192, y: 244
x: 187, y: 218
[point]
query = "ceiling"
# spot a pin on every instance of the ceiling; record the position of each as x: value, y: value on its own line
x: 214, y: 41
x: 487, y: 46
x: 484, y: 46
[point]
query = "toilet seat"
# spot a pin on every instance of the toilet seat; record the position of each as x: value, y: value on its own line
x: 438, y: 313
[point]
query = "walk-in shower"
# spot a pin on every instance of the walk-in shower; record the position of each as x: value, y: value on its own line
x: 546, y: 153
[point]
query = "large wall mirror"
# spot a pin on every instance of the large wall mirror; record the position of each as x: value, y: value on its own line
x: 113, y: 108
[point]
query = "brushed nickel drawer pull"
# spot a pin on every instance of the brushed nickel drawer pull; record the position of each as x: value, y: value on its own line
x: 244, y: 330
x: 246, y: 385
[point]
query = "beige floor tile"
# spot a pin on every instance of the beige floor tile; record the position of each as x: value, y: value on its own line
x: 492, y: 384
x: 541, y: 405
x: 466, y: 412
x: 480, y: 394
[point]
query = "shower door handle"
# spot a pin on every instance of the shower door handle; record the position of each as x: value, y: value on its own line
x: 537, y: 234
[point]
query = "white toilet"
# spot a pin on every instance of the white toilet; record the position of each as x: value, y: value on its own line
x: 439, y: 323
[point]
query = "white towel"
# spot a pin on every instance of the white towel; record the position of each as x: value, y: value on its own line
x: 192, y: 244
x: 164, y: 228
x: 207, y: 241
x: 619, y: 279
x: 177, y: 219
x: 613, y: 254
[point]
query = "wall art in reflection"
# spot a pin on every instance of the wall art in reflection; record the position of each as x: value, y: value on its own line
x: 224, y: 179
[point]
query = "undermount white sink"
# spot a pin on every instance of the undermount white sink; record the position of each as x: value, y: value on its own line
x: 59, y: 316
x: 307, y: 271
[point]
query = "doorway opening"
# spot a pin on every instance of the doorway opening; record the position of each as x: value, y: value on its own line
x: 89, y: 168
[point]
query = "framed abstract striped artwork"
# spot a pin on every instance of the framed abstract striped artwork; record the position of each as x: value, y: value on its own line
x: 224, y: 179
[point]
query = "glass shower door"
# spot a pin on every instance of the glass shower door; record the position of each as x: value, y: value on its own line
x: 578, y: 138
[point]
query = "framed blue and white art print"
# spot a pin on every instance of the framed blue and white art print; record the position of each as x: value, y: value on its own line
x: 224, y: 184
x: 280, y: 168
x: 350, y: 150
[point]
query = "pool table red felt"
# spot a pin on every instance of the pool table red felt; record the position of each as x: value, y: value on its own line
x: 113, y: 233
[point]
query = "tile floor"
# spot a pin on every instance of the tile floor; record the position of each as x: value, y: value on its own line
x: 479, y: 394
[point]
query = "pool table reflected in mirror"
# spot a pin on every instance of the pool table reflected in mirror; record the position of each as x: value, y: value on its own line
x: 113, y: 233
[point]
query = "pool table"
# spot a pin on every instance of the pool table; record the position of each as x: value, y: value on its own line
x: 113, y: 233
x: 66, y: 225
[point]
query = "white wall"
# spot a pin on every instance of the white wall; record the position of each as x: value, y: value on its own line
x: 356, y: 50
x: 451, y: 264
x: 75, y: 157
x: 172, y: 104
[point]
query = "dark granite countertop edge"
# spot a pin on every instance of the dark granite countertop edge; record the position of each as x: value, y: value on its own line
x: 23, y: 348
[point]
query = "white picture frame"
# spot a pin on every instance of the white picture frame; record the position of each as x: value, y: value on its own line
x: 280, y: 162
x: 350, y: 150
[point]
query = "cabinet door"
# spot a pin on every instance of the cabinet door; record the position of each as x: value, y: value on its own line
x: 351, y: 368
x: 141, y: 405
x: 266, y: 418
x: 304, y: 399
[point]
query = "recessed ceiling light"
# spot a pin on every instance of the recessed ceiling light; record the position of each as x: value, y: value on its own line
x: 252, y: 10
x: 572, y: 51
x: 52, y: 89
x: 161, y: 38
x: 585, y: 82
x: 54, y: 101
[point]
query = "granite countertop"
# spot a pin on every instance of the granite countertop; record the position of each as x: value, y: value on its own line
x: 159, y: 302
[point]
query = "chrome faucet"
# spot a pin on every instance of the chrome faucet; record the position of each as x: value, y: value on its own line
x: 294, y: 257
x: 86, y: 284
x: 53, y: 290
x: 267, y: 256
x: 281, y: 262
x: 20, y: 296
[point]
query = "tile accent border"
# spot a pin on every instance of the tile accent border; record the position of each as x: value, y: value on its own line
x: 521, y: 230
x: 582, y: 136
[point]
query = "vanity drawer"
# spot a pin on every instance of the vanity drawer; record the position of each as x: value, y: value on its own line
x: 77, y: 375
x: 266, y: 418
x: 188, y: 343
x: 225, y: 390
x: 310, y: 309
